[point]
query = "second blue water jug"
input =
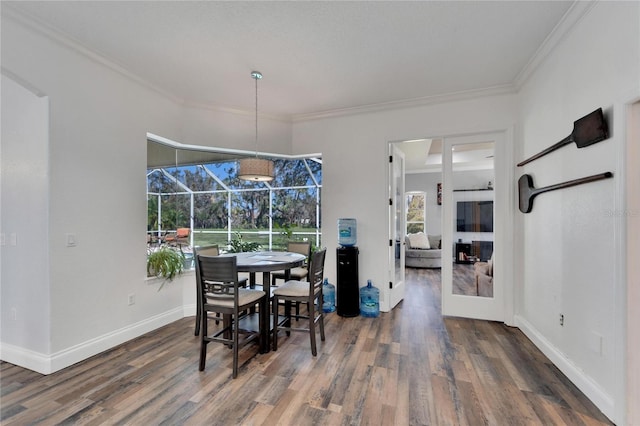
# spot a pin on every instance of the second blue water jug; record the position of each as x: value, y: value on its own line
x: 369, y: 301
x: 329, y: 296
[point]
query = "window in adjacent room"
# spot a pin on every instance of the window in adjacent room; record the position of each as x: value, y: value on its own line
x: 416, y: 213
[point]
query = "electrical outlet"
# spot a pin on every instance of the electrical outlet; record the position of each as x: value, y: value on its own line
x: 132, y: 299
x: 14, y: 314
x: 561, y: 320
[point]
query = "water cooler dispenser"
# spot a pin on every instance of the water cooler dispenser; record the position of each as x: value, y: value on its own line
x: 347, y: 288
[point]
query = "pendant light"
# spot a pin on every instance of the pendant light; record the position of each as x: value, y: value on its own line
x: 253, y: 168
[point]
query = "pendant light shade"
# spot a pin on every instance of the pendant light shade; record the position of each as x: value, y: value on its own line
x: 256, y: 169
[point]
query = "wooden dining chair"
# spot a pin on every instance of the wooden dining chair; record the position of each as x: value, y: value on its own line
x: 210, y: 250
x: 220, y: 292
x: 294, y: 291
x: 299, y: 273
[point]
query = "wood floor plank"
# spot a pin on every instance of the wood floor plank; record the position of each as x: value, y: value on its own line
x: 410, y: 366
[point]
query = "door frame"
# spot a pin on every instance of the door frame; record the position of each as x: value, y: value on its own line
x: 501, y: 307
x: 397, y: 211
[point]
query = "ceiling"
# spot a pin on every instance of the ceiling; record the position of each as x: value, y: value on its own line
x: 317, y: 57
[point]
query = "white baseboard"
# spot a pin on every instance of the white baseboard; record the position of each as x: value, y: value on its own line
x: 47, y: 364
x: 26, y: 358
x: 586, y: 384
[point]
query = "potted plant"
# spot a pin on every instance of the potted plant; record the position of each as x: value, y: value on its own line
x: 238, y: 245
x: 165, y: 262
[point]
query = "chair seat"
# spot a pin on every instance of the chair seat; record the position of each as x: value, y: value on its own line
x: 295, y: 273
x: 219, y: 292
x: 293, y: 289
x: 309, y: 292
x: 245, y: 297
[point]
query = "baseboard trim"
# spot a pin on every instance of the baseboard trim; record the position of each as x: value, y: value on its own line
x: 25, y: 358
x: 586, y: 384
x: 47, y: 364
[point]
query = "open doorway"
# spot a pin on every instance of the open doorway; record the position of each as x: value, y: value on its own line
x: 419, y: 239
x: 430, y: 165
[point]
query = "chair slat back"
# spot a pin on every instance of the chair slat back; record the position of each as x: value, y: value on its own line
x: 218, y: 277
x: 212, y: 250
x: 301, y: 247
x: 316, y: 270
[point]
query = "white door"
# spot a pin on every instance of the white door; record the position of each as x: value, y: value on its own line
x: 473, y: 202
x: 397, y: 216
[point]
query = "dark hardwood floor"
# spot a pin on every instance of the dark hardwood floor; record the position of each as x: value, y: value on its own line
x: 408, y: 367
x: 464, y: 279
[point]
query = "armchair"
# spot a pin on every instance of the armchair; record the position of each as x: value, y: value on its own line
x: 484, y: 277
x: 181, y: 236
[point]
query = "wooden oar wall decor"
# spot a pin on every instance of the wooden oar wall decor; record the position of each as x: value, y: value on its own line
x: 590, y: 129
x: 527, y: 191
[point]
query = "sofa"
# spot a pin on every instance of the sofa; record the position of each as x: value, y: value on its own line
x: 484, y: 277
x: 423, y: 251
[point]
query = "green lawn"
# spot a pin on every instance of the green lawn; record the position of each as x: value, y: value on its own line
x: 203, y: 238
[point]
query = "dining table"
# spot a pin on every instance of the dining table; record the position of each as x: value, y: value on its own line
x: 266, y: 262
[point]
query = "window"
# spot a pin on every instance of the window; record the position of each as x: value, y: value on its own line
x: 416, y: 214
x: 207, y: 197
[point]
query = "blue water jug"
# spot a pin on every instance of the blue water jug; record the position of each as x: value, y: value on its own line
x: 329, y: 296
x: 347, y: 232
x: 369, y: 301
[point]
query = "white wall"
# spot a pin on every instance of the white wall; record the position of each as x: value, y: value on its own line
x: 25, y: 229
x: 573, y: 259
x: 218, y: 128
x: 355, y: 167
x: 632, y: 215
x: 95, y: 189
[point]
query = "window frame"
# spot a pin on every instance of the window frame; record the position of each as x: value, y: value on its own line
x: 407, y: 198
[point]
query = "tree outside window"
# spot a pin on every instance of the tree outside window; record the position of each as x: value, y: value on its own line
x: 210, y: 199
x: 416, y: 213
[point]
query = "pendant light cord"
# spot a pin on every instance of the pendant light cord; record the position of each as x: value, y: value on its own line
x: 256, y: 78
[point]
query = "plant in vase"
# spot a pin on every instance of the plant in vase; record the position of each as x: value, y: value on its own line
x: 238, y: 245
x: 165, y: 262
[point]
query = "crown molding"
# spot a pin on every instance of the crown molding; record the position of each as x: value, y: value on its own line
x: 237, y: 111
x: 573, y: 15
x: 190, y: 147
x: 504, y: 89
x: 21, y: 81
x: 38, y: 26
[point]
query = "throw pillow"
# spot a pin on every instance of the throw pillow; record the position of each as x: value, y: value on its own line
x: 434, y: 241
x: 419, y: 241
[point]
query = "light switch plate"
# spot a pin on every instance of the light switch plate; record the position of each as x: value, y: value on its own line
x: 71, y: 240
